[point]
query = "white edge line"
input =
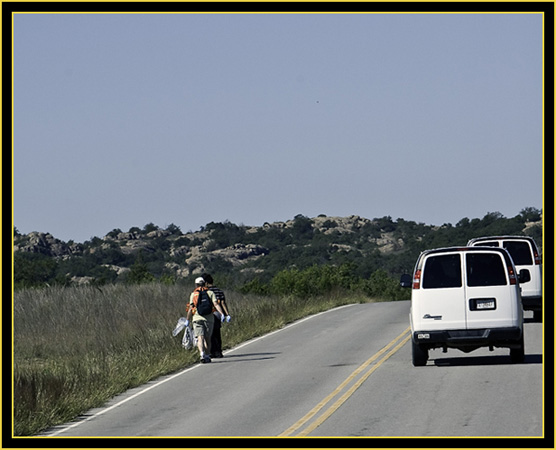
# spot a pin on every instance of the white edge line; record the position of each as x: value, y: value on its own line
x: 137, y: 394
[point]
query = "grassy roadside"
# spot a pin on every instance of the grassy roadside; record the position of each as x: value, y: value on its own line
x: 75, y: 348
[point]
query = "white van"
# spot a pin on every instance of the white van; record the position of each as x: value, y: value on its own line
x: 525, y: 254
x: 465, y: 298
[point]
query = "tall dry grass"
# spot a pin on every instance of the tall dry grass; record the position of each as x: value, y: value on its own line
x: 75, y: 348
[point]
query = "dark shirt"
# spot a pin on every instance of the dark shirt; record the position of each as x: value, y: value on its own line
x: 219, y: 293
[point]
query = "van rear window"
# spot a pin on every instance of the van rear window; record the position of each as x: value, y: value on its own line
x: 442, y: 271
x: 485, y: 269
x: 488, y: 244
x: 520, y: 252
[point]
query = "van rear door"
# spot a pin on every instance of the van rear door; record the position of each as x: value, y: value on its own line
x: 441, y: 304
x: 523, y: 256
x: 487, y: 291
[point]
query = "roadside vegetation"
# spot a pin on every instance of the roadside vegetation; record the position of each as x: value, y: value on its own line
x: 76, y: 347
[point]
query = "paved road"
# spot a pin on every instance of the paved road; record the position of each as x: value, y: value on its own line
x: 346, y: 372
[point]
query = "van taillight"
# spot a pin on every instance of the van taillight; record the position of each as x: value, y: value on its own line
x: 511, y: 273
x: 417, y: 279
x: 537, y: 258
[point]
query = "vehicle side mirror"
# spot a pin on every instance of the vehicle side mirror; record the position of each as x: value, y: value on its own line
x: 406, y: 281
x: 524, y: 276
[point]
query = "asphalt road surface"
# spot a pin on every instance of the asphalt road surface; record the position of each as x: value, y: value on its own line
x: 343, y: 373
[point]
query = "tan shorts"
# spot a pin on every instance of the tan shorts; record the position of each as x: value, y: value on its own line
x: 203, y: 327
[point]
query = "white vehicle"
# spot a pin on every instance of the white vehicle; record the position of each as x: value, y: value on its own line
x: 465, y: 298
x: 525, y: 254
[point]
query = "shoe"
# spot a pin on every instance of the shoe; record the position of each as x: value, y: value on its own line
x: 205, y: 359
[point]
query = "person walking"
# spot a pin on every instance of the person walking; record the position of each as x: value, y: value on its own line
x: 202, y: 302
x: 216, y: 339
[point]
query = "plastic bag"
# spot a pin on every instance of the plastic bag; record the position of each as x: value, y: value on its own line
x: 179, y: 326
x: 189, y: 340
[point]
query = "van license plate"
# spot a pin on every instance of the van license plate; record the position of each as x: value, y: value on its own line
x: 481, y: 304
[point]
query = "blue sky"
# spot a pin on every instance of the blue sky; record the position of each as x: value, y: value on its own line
x: 121, y: 120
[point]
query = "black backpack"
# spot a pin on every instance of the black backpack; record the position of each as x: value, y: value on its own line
x: 203, y: 303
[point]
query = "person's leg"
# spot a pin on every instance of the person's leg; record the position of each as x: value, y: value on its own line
x: 219, y: 342
x: 201, y: 330
x: 216, y: 339
x: 205, y: 346
x: 208, y: 334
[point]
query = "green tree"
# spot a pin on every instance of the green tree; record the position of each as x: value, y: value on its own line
x: 149, y: 227
x: 284, y: 282
x: 33, y: 270
x: 255, y: 286
x: 103, y: 275
x: 174, y: 229
x: 530, y: 214
x: 139, y: 272
x: 114, y: 233
x: 386, y: 224
x: 302, y: 227
x: 381, y: 286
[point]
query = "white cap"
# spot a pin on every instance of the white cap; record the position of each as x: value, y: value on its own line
x: 200, y: 280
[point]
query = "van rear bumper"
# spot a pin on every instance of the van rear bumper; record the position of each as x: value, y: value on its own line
x: 474, y: 337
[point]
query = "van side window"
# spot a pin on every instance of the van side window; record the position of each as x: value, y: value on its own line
x: 520, y: 252
x: 443, y: 271
x: 485, y: 269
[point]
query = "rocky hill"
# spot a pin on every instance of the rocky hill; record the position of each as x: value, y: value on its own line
x: 248, y: 251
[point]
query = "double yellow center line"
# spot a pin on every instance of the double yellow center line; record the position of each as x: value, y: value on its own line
x: 389, y: 349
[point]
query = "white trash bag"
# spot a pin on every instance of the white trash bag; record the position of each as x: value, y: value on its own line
x: 179, y: 326
x: 189, y: 340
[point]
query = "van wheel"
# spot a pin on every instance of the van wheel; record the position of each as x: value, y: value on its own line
x: 420, y: 354
x: 517, y: 355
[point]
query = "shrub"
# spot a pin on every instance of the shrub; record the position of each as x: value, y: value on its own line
x: 381, y: 286
x: 33, y: 269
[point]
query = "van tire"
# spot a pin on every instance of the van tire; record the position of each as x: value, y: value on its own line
x: 420, y: 354
x: 517, y: 355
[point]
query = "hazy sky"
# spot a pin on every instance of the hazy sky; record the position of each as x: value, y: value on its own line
x: 121, y: 120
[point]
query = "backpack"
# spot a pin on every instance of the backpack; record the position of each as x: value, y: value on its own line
x: 202, y: 302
